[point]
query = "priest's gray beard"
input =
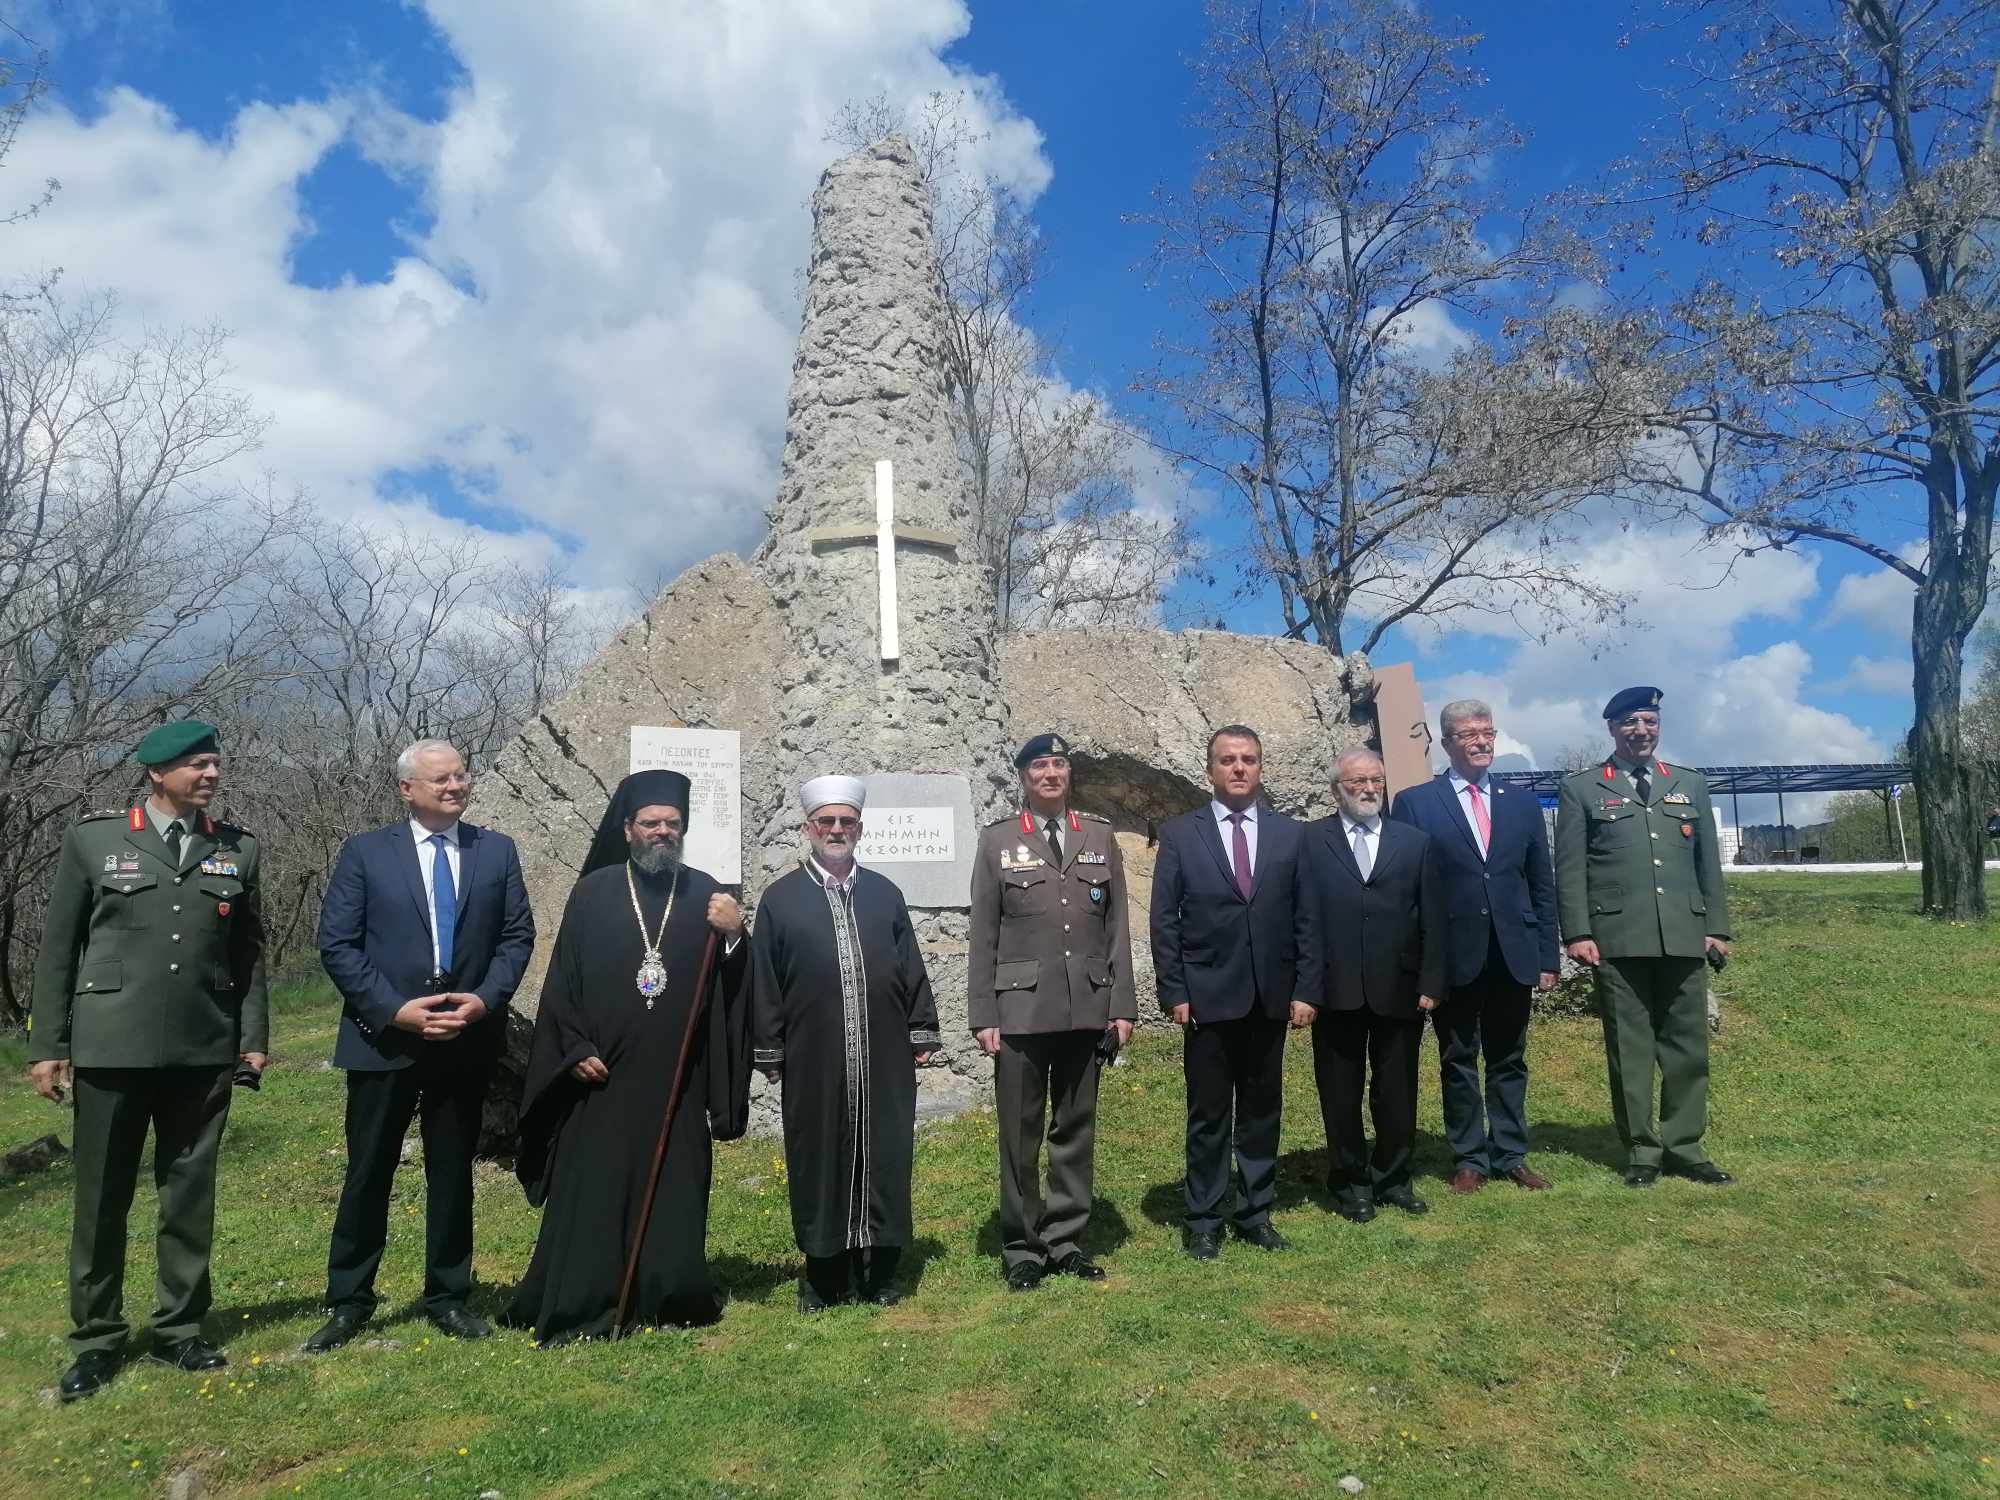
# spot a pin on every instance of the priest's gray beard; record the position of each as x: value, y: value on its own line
x: 655, y: 859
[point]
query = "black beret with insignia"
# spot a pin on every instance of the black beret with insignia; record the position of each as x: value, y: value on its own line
x: 1040, y: 745
x: 171, y: 741
x: 1630, y: 699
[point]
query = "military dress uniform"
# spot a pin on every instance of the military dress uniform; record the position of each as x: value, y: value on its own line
x: 1051, y: 967
x: 150, y: 982
x: 1639, y: 874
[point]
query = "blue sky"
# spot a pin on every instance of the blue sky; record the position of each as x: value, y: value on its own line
x: 533, y: 270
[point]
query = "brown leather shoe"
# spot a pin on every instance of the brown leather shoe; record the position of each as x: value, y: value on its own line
x: 1467, y: 1180
x: 1527, y: 1177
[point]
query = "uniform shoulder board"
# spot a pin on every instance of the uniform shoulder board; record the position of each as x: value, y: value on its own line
x: 1093, y: 818
x: 1000, y: 822
x: 96, y: 813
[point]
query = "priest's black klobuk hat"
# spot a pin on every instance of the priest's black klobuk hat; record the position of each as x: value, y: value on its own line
x: 640, y: 789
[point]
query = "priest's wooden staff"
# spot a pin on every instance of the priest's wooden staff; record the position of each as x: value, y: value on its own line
x: 674, y: 1092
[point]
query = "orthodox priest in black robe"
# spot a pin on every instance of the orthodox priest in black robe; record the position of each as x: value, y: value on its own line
x: 614, y: 1012
x: 842, y: 1014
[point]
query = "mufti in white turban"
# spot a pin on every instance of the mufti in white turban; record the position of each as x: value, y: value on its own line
x: 823, y: 791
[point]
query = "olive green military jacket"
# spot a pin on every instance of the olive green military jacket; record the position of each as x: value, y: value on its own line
x: 1051, y: 943
x: 1639, y: 879
x: 148, y: 964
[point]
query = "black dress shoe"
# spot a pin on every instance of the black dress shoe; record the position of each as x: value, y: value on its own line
x: 1354, y: 1208
x: 193, y: 1353
x: 1404, y: 1199
x: 883, y: 1296
x: 335, y: 1331
x: 1026, y: 1276
x: 460, y: 1324
x: 1202, y: 1244
x: 1263, y: 1236
x: 1641, y: 1176
x: 1701, y: 1171
x: 90, y: 1374
x: 1079, y: 1265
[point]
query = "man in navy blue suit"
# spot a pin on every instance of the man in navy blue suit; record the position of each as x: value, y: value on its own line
x: 1500, y: 887
x: 425, y: 931
x: 1227, y: 933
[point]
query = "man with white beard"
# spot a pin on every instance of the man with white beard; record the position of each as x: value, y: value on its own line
x: 1373, y: 968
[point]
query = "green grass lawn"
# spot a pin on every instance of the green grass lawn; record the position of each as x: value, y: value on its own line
x: 1828, y: 1326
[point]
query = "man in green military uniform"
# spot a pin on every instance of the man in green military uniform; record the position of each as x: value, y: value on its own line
x: 1639, y: 893
x: 1049, y: 983
x: 149, y: 994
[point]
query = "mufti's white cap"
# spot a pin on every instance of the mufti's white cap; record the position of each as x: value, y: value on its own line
x: 823, y: 790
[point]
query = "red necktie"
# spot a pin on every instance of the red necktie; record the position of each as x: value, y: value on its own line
x: 1480, y: 820
x: 1240, y: 855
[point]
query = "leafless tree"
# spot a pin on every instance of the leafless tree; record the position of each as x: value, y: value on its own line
x: 24, y: 82
x: 1831, y: 371
x: 1361, y: 377
x: 384, y: 636
x: 125, y: 567
x: 1048, y: 470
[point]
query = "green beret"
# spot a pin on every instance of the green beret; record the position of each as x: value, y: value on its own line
x: 172, y: 741
x: 1632, y: 699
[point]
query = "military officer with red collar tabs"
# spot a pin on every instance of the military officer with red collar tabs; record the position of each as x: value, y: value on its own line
x: 149, y: 996
x: 1640, y: 897
x: 1050, y: 997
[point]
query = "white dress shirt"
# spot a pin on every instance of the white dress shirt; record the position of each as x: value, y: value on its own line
x: 1485, y: 785
x: 1228, y: 831
x: 426, y: 857
x: 1371, y: 833
x: 828, y: 879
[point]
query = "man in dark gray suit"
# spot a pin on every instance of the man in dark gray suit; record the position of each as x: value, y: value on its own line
x: 1227, y: 924
x: 1374, y: 966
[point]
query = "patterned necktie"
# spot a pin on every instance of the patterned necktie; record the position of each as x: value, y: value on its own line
x: 444, y: 896
x: 175, y: 832
x: 1362, y: 859
x: 1055, y: 842
x: 1239, y: 855
x: 1481, y: 819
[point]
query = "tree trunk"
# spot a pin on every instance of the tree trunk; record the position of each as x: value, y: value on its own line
x: 1950, y: 835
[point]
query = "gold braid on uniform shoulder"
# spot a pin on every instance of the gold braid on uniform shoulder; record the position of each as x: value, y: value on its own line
x: 96, y: 814
x: 1093, y: 817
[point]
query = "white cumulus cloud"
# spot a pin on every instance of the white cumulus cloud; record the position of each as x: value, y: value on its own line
x: 595, y: 331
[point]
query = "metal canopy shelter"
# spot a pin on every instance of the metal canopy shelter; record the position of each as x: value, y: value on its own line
x: 1736, y: 780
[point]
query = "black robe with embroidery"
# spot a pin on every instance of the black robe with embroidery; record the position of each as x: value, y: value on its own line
x: 586, y: 1151
x: 843, y: 1003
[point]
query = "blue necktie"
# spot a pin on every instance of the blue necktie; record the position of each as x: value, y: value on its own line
x: 444, y: 896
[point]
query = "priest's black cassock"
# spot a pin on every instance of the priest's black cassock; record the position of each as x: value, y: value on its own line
x: 842, y: 1003
x: 586, y: 1151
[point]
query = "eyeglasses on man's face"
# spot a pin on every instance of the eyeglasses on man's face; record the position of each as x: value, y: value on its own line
x: 836, y: 825
x: 1473, y: 736
x: 1363, y: 783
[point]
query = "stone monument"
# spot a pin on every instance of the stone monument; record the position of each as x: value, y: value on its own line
x: 861, y: 639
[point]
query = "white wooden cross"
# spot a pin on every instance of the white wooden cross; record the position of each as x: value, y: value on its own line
x: 885, y: 533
